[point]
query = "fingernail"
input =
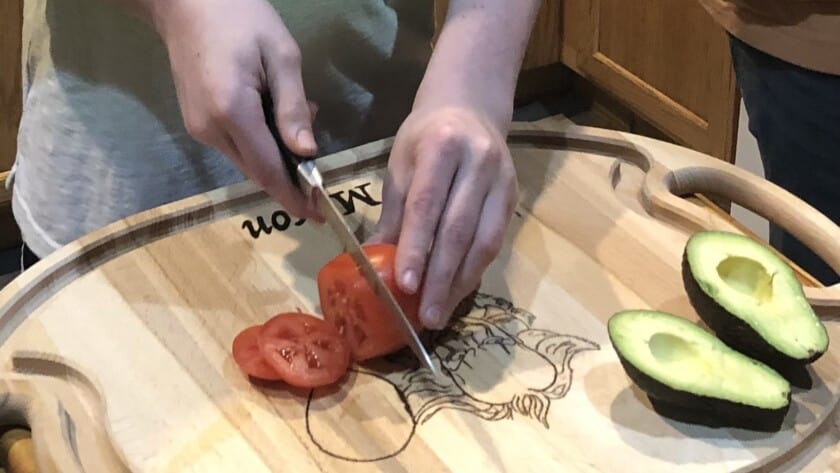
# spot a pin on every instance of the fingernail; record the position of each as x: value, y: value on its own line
x: 409, y: 281
x: 306, y: 140
x: 432, y: 317
x: 315, y: 212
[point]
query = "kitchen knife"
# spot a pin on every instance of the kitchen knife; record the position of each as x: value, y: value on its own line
x: 313, y: 188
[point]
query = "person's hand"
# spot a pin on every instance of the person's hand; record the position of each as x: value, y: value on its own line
x: 447, y: 200
x: 224, y: 55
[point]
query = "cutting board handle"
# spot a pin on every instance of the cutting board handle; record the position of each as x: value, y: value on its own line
x: 66, y: 437
x: 675, y: 171
x: 717, y: 178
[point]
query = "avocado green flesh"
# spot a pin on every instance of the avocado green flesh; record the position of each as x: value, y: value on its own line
x: 752, y: 283
x: 683, y: 356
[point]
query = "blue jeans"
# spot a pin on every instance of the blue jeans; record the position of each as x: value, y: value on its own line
x: 794, y: 114
x: 27, y: 258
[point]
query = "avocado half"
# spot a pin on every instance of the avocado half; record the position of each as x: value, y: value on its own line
x: 750, y: 298
x: 691, y: 376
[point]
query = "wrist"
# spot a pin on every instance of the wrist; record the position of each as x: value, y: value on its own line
x: 477, y: 57
x: 164, y: 15
x: 496, y: 112
x: 441, y: 92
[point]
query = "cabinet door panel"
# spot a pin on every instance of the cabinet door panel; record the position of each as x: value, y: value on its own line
x: 11, y: 14
x: 665, y: 59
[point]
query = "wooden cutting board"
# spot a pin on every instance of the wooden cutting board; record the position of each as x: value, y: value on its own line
x: 117, y: 347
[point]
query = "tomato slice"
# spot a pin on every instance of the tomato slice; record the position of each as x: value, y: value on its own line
x: 247, y: 354
x: 349, y: 303
x: 306, y: 351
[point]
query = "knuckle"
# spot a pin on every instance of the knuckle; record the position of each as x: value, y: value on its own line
x: 414, y: 258
x: 441, y: 281
x: 293, y: 111
x: 486, y: 148
x: 422, y: 205
x: 289, y: 55
x: 198, y: 128
x: 489, y: 247
x: 459, y: 234
x: 222, y: 108
x: 448, y: 137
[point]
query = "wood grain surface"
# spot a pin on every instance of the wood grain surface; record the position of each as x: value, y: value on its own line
x: 118, y: 346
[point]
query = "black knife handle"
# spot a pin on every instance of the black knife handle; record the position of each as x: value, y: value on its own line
x: 290, y: 159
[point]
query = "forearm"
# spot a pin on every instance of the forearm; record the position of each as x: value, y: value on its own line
x: 478, y: 56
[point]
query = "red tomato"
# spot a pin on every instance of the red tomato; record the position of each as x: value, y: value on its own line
x: 306, y: 351
x: 349, y: 303
x: 247, y: 354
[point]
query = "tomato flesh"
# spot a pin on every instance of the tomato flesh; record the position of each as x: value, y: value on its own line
x: 350, y: 304
x: 249, y: 358
x: 306, y: 351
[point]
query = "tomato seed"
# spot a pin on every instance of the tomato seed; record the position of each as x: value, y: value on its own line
x: 312, y: 360
x: 287, y: 354
x: 322, y: 344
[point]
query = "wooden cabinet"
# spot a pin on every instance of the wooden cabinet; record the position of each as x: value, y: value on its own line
x: 11, y: 12
x: 666, y: 60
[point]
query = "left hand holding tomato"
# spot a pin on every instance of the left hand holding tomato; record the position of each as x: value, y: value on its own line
x: 448, y: 197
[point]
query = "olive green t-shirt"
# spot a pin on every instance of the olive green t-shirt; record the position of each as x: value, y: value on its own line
x: 101, y: 135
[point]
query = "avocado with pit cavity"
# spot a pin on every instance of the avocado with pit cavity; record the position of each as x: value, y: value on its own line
x: 691, y: 376
x: 750, y: 298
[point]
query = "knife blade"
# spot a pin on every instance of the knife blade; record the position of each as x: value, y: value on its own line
x: 313, y: 188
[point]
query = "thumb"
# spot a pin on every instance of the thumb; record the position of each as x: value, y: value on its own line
x: 292, y: 111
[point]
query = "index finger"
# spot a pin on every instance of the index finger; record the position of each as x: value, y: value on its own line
x: 260, y: 155
x: 425, y: 201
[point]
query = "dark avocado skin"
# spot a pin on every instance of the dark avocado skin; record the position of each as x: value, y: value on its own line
x: 692, y: 408
x: 714, y: 420
x: 738, y: 335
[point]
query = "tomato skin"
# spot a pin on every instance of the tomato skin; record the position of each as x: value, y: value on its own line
x: 349, y: 303
x: 247, y: 355
x: 306, y: 351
